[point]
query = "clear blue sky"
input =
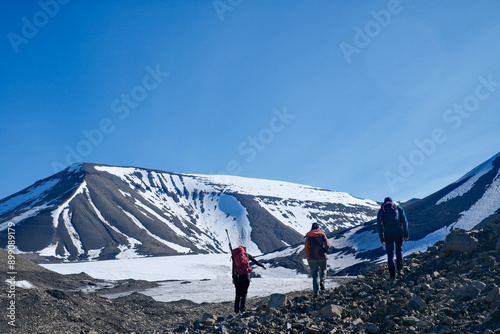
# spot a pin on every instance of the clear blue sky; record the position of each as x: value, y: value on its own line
x: 373, y: 98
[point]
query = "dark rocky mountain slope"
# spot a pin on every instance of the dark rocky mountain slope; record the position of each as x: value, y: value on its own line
x: 104, y: 212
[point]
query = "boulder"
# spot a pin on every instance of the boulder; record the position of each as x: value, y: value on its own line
x: 459, y: 240
x: 418, y: 303
x: 330, y: 311
x: 372, y: 328
x: 493, y: 295
x: 468, y: 291
x: 277, y: 300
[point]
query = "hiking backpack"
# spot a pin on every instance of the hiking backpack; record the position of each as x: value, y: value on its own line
x: 241, y: 264
x: 390, y: 214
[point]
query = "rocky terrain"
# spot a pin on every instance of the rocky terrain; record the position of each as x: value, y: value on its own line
x: 453, y: 287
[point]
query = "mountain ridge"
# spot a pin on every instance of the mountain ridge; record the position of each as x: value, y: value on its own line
x: 92, y: 211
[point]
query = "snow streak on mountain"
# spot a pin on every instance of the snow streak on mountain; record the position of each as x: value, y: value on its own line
x: 104, y: 212
x: 464, y: 204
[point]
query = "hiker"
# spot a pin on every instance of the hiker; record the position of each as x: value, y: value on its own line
x: 242, y: 275
x: 316, y: 248
x: 392, y: 230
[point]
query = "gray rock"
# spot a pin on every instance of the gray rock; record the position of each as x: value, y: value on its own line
x: 277, y: 300
x: 209, y: 322
x: 493, y: 295
x: 313, y: 329
x: 479, y: 285
x: 411, y: 320
x: 357, y: 322
x: 468, y: 291
x: 418, y: 303
x: 331, y: 311
x: 372, y: 328
x: 207, y: 315
x: 459, y: 240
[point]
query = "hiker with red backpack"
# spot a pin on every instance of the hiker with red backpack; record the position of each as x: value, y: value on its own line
x: 316, y: 248
x: 392, y: 230
x: 242, y: 275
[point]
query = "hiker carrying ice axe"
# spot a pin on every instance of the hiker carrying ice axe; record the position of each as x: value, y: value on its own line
x: 241, y: 274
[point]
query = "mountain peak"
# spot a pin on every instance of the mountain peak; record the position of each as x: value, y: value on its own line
x: 90, y: 211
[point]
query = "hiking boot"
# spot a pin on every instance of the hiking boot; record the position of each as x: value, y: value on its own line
x: 399, y: 271
x: 322, y: 286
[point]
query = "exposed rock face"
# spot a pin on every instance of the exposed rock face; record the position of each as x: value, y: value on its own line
x: 440, y: 291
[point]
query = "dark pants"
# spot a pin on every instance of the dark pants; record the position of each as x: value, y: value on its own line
x: 318, y: 273
x: 241, y: 284
x: 394, y: 242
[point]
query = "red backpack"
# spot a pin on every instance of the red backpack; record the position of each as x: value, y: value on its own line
x: 241, y: 264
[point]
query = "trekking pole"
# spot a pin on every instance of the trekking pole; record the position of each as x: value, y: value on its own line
x: 230, y: 247
x: 230, y: 251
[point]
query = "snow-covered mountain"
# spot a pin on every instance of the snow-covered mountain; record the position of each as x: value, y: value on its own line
x: 464, y: 204
x: 93, y: 211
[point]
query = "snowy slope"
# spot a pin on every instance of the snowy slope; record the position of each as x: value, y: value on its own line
x: 104, y: 212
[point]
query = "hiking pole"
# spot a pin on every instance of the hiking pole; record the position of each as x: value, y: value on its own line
x: 230, y: 247
x: 231, y: 252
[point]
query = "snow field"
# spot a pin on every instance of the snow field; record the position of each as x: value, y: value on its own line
x: 199, y: 278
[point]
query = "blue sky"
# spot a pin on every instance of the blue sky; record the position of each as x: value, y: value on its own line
x: 373, y: 98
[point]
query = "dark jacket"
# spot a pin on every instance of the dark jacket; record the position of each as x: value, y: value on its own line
x: 403, y: 226
x: 317, y: 245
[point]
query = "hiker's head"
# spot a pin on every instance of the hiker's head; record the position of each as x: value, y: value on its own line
x: 314, y: 226
x: 244, y: 248
x: 387, y: 199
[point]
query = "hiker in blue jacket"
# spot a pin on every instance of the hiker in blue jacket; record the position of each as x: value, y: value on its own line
x: 392, y: 230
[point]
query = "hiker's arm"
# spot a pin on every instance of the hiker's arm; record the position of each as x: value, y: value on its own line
x: 251, y: 258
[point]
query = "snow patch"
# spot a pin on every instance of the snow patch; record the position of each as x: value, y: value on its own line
x: 93, y: 254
